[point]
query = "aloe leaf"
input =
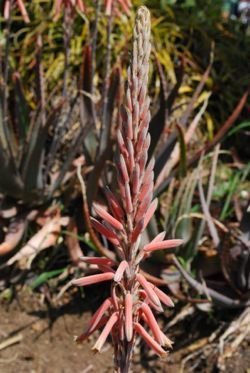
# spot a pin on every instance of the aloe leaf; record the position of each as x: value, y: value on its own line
x: 87, y: 108
x: 232, y: 187
x: 61, y: 123
x: 241, y: 126
x: 108, y: 110
x: 158, y: 122
x: 210, y: 145
x: 183, y: 152
x: 40, y: 81
x: 33, y: 155
x: 167, y: 150
x: 183, y: 225
x: 21, y: 115
x: 44, y: 277
x: 185, y: 117
x: 10, y: 181
x: 165, y: 154
x: 74, y: 148
x: 224, y: 128
x: 6, y: 136
x: 211, y: 183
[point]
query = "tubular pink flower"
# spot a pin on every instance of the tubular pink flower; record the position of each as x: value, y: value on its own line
x: 144, y: 205
x: 128, y: 199
x: 136, y: 232
x: 107, y: 217
x: 123, y: 168
x: 149, y: 340
x: 159, y: 237
x: 97, y: 320
x: 93, y: 279
x: 131, y: 160
x: 104, y: 268
x: 162, y: 296
x: 111, y: 236
x: 97, y: 260
x: 23, y: 10
x: 107, y: 329
x: 149, y: 290
x: 114, y: 204
x: 136, y: 179
x: 152, y: 323
x: 129, y: 317
x: 98, y: 315
x: 167, y: 244
x: 120, y: 271
x: 150, y: 212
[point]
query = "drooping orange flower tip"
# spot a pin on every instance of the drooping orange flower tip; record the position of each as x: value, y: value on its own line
x: 21, y: 6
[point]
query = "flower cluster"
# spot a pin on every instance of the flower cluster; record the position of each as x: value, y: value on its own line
x: 128, y: 310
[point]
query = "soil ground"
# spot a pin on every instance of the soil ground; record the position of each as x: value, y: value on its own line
x: 44, y: 342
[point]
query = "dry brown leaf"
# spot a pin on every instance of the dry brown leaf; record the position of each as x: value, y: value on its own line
x: 44, y: 238
x: 14, y: 235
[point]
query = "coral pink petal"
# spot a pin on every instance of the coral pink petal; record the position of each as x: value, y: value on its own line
x: 123, y: 168
x: 120, y: 271
x: 149, y: 340
x: 129, y: 317
x: 23, y: 11
x: 148, y: 289
x: 81, y: 6
x: 104, y: 268
x: 159, y: 237
x: 94, y: 279
x: 98, y: 315
x: 107, y: 217
x: 6, y: 11
x: 124, y: 6
x: 108, y: 7
x: 150, y: 212
x: 164, y: 298
x: 104, y: 334
x: 167, y: 244
x: 97, y: 260
x: 128, y: 199
x: 152, y: 323
x: 111, y: 236
x: 114, y: 204
x: 137, y: 231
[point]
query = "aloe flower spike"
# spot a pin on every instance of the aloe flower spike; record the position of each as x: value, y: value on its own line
x: 133, y: 299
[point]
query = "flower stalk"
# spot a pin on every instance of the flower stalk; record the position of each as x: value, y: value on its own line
x: 129, y: 310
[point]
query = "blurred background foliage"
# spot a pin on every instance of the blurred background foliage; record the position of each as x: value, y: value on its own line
x: 199, y: 72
